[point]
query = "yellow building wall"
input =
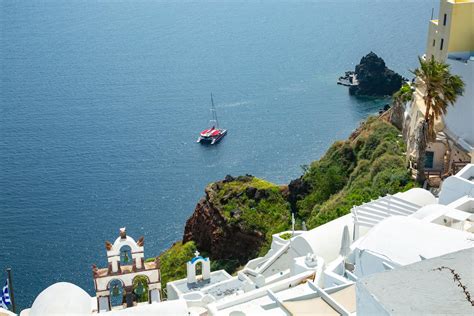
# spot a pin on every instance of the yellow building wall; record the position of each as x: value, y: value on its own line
x: 458, y: 33
x: 461, y: 37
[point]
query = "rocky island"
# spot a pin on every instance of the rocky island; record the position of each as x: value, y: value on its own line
x: 373, y: 78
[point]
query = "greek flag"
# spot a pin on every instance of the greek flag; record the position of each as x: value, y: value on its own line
x: 5, y: 297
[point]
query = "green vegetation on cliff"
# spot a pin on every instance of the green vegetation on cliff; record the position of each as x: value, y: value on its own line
x: 255, y: 205
x: 173, y: 261
x: 368, y: 165
x: 235, y: 220
x: 233, y: 223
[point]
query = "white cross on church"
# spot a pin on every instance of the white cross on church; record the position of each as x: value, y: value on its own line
x: 196, y: 253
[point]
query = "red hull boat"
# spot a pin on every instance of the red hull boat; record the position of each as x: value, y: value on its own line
x: 213, y: 134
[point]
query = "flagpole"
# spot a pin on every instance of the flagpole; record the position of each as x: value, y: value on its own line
x: 10, y: 289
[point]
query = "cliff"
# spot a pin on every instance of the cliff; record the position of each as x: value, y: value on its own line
x: 374, y: 78
x: 236, y: 218
x: 371, y: 163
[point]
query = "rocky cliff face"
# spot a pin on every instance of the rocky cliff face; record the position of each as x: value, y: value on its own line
x: 212, y: 233
x: 375, y: 79
x: 236, y: 217
x: 297, y: 190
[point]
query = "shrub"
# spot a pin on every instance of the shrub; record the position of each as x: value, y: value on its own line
x: 229, y: 265
x: 286, y: 236
x: 386, y: 162
x: 173, y: 262
x: 378, y: 169
x: 255, y: 205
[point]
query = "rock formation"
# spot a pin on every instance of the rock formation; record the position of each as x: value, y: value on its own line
x: 297, y: 189
x: 228, y: 221
x: 374, y: 78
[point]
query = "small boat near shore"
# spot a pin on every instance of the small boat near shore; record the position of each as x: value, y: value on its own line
x: 349, y: 79
x: 214, y: 133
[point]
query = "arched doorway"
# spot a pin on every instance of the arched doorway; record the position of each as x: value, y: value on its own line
x: 117, y: 293
x: 140, y: 288
x: 126, y: 256
x: 198, y: 268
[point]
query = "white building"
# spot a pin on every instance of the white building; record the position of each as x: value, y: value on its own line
x: 387, y: 233
x: 428, y: 288
x: 364, y: 262
x: 62, y: 299
x: 450, y: 40
x: 126, y: 284
x: 128, y: 279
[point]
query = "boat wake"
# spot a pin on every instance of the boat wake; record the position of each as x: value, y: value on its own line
x: 234, y: 104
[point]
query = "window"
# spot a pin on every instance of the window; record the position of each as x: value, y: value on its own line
x: 429, y: 160
x: 434, y: 42
x: 445, y: 18
x: 441, y: 46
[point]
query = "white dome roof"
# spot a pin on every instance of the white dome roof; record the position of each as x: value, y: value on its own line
x: 417, y: 196
x: 62, y: 299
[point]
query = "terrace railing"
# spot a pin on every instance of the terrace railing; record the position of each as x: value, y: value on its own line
x: 458, y: 165
x: 371, y: 213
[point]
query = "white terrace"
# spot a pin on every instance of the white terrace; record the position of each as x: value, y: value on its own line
x: 400, y: 204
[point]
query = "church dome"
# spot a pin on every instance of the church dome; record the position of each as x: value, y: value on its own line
x: 62, y: 299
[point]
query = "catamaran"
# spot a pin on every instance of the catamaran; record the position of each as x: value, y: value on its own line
x: 213, y: 134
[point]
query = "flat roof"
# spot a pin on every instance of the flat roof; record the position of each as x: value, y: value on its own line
x: 421, y: 288
x: 346, y: 297
x: 302, y: 299
x: 403, y: 240
x: 314, y: 306
x: 216, y: 277
x: 172, y: 307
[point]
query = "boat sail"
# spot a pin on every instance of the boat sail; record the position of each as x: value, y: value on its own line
x: 214, y: 133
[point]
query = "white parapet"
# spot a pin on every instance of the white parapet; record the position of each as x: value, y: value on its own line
x: 458, y: 185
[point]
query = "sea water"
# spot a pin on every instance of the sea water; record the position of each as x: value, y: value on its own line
x: 102, y: 103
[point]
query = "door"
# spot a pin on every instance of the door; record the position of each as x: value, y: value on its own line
x: 429, y: 160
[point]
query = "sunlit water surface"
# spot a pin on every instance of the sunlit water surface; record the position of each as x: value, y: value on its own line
x: 102, y: 102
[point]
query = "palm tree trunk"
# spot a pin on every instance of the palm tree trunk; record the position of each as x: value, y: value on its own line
x: 421, y: 140
x: 428, y: 107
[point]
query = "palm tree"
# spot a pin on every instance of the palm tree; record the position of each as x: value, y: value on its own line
x: 441, y: 89
x: 400, y: 98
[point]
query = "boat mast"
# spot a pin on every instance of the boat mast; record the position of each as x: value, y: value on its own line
x: 214, y: 113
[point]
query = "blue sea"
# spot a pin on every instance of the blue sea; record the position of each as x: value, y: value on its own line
x: 102, y: 102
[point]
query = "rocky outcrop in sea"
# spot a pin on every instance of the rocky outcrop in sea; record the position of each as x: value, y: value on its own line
x: 374, y: 78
